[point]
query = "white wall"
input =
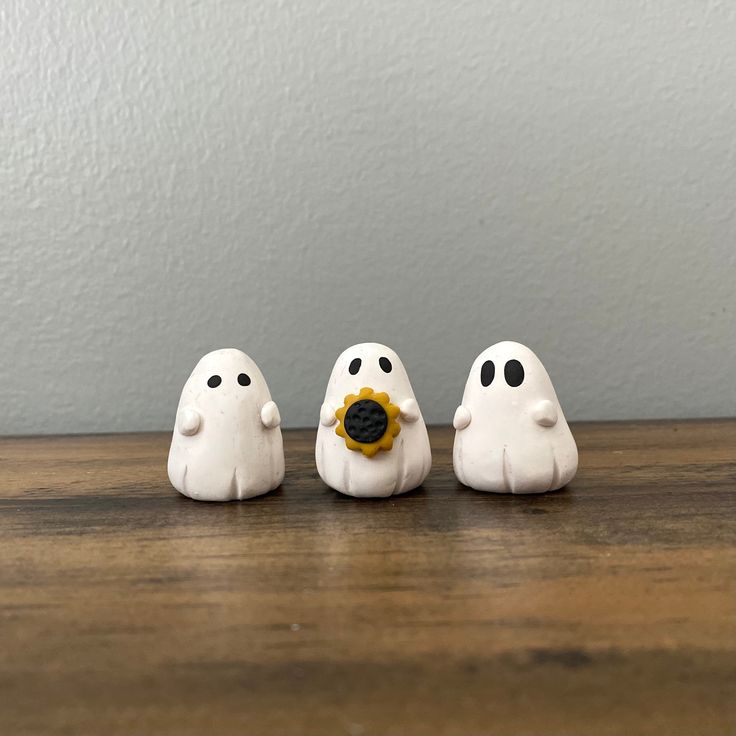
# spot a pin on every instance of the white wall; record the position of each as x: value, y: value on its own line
x: 291, y: 177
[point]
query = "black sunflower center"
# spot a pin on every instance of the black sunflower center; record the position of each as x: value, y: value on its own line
x: 366, y: 421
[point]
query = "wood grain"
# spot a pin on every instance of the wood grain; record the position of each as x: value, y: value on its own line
x: 605, y: 608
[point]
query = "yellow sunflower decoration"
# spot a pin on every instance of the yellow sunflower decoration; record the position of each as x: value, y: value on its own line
x: 367, y: 422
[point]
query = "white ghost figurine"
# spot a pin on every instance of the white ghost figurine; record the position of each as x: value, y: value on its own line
x: 372, y: 440
x: 227, y: 441
x: 511, y: 435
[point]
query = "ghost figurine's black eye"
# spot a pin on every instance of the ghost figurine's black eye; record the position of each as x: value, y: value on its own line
x: 354, y: 366
x: 244, y: 379
x: 487, y: 373
x: 385, y: 364
x: 514, y: 373
x: 214, y: 381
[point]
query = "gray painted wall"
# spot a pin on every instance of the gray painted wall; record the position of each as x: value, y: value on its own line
x: 290, y: 178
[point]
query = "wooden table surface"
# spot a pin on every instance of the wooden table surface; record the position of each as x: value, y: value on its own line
x: 605, y: 608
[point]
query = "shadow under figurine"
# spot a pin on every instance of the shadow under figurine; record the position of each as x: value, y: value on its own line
x: 511, y: 435
x: 371, y: 440
x: 227, y: 442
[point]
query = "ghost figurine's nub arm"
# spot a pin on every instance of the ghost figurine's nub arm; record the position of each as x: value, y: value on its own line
x: 188, y: 421
x: 409, y: 410
x: 327, y: 414
x: 270, y: 416
x: 544, y: 413
x: 461, y: 418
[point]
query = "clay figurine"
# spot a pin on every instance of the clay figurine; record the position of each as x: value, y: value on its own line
x: 227, y: 441
x: 511, y: 435
x: 372, y: 440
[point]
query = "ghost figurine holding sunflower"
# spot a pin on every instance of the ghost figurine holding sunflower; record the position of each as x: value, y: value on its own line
x: 371, y: 440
